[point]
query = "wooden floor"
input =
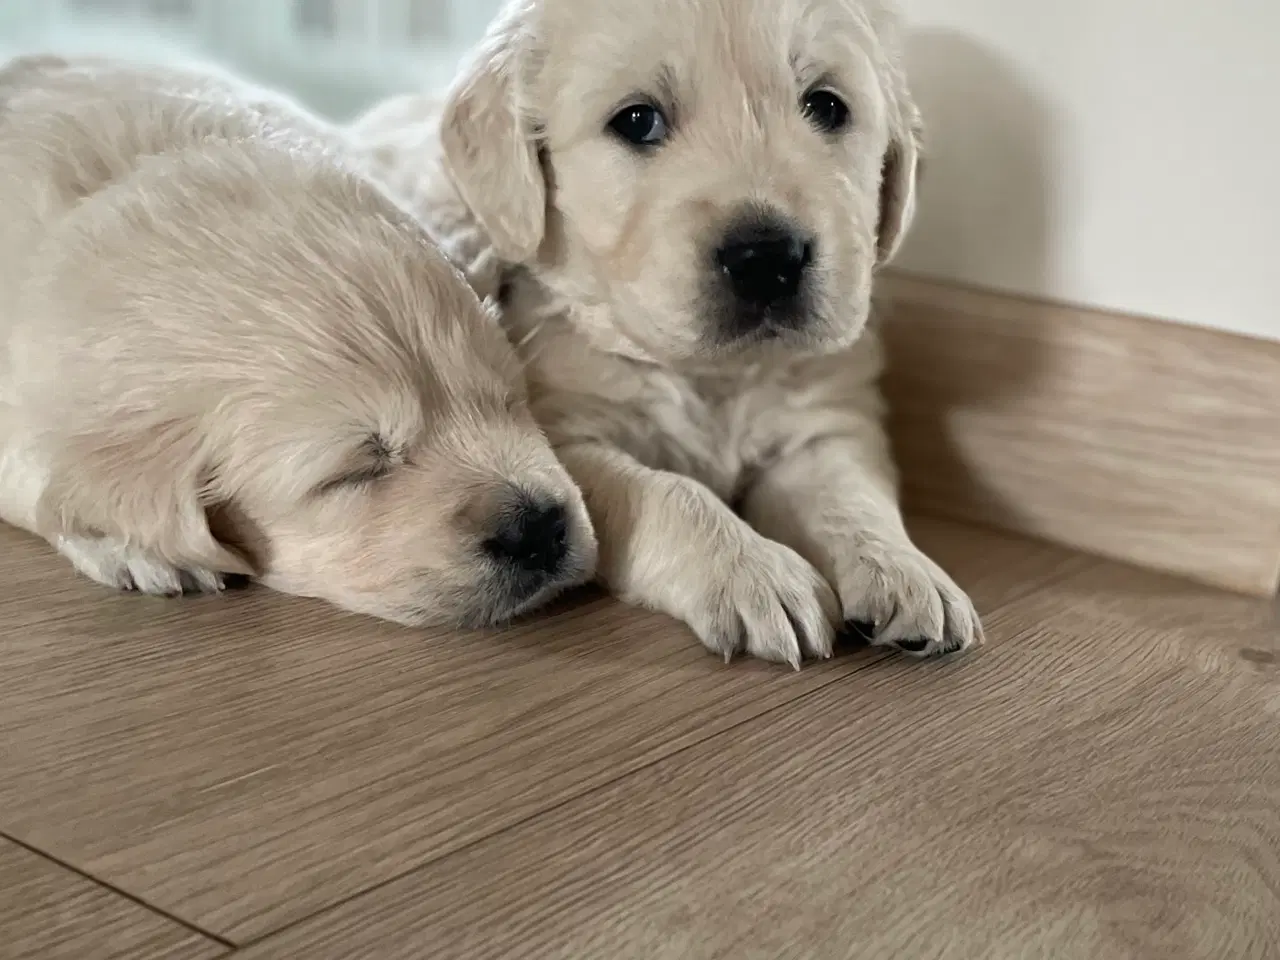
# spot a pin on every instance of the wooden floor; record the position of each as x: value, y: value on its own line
x: 183, y: 779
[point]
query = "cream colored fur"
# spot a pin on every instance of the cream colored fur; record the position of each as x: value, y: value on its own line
x: 224, y: 350
x: 606, y: 249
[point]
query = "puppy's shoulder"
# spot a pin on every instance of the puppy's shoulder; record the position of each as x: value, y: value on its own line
x: 397, y: 142
x: 399, y: 133
x: 20, y: 77
x: 18, y: 72
x: 579, y: 391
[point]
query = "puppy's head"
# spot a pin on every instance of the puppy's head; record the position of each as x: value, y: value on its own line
x: 282, y: 376
x: 713, y: 174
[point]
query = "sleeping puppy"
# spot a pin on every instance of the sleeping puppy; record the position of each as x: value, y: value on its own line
x: 690, y: 201
x: 224, y: 351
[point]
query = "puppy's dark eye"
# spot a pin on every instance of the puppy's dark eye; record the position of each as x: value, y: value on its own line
x: 640, y: 124
x: 826, y: 111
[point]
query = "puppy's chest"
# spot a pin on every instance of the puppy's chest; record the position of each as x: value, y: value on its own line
x: 705, y: 429
x: 717, y: 430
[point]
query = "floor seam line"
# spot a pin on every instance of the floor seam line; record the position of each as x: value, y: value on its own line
x: 104, y: 885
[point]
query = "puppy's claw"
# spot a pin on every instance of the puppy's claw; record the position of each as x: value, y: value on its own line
x: 123, y: 566
x: 897, y: 597
x: 199, y: 581
x: 768, y: 602
x: 729, y: 642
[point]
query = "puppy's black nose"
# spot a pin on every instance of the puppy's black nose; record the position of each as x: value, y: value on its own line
x: 764, y: 263
x: 535, y: 539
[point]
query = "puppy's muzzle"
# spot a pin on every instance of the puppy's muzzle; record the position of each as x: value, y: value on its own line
x: 765, y: 265
x: 536, y: 548
x: 532, y: 542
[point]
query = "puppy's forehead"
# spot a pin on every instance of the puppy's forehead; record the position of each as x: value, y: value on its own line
x: 599, y: 51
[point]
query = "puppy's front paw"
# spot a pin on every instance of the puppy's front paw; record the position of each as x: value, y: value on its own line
x: 895, y: 596
x: 123, y: 566
x: 766, y: 600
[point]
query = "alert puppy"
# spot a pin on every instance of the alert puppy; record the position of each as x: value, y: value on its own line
x: 223, y: 350
x: 689, y: 202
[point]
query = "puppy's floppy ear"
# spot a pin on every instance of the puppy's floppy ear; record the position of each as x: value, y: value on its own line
x: 900, y: 175
x: 489, y: 151
x: 152, y: 493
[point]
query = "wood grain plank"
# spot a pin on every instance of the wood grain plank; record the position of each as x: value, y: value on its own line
x: 1151, y: 443
x: 243, y: 761
x: 50, y: 913
x: 1101, y: 782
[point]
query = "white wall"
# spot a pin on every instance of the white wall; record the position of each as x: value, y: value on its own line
x: 1116, y: 153
x: 364, y: 52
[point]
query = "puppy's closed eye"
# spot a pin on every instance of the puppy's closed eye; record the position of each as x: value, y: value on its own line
x: 374, y: 459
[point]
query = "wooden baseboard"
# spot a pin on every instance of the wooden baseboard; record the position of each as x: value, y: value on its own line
x: 1152, y: 443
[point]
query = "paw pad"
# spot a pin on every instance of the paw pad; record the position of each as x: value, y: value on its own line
x: 914, y: 645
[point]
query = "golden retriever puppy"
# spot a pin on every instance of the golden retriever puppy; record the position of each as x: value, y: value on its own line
x: 690, y: 201
x: 223, y: 350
